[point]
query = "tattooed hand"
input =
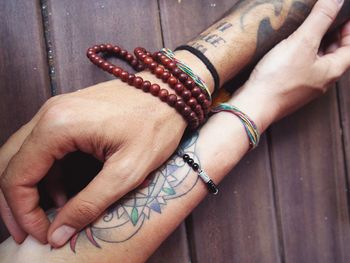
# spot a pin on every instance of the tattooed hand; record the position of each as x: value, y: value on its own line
x: 300, y: 67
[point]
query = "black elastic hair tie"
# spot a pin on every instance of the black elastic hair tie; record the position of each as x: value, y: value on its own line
x: 206, y: 62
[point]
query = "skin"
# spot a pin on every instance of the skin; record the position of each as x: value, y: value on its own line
x: 129, y: 230
x: 28, y: 154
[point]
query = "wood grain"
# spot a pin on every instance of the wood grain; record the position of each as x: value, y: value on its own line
x: 308, y: 168
x: 239, y: 224
x: 344, y: 106
x: 77, y: 25
x: 24, y: 84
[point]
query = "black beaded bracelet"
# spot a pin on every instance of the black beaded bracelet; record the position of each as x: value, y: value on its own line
x: 196, y: 167
x: 206, y: 62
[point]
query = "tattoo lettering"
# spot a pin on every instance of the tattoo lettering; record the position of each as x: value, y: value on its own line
x: 125, y: 218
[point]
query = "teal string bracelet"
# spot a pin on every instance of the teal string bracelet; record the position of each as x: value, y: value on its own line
x: 249, y: 125
x: 186, y: 69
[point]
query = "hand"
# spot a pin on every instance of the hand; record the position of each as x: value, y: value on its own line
x: 298, y: 69
x: 131, y: 132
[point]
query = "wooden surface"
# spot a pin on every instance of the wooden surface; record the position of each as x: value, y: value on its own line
x: 287, y: 201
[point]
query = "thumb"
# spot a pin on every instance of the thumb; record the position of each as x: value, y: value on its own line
x: 114, y: 181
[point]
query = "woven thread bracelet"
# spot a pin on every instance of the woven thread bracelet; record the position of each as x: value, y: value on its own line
x: 212, y: 188
x: 186, y: 69
x: 249, y: 125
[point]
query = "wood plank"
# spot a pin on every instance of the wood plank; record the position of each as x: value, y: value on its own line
x: 77, y: 25
x: 344, y: 103
x: 24, y: 82
x: 308, y: 168
x: 239, y: 225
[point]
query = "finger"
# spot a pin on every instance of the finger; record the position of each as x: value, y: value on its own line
x: 15, y: 230
x: 319, y: 20
x: 338, y: 62
x: 345, y: 35
x: 54, y: 186
x: 113, y: 182
x: 27, y: 167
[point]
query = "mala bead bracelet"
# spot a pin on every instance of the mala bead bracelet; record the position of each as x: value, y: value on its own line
x: 184, y: 77
x: 249, y: 126
x: 185, y: 90
x: 205, y: 178
x: 171, y: 99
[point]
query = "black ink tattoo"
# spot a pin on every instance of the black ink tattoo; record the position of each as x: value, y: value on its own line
x: 125, y: 219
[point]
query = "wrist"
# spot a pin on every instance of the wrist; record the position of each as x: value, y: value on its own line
x: 179, y: 122
x: 257, y: 106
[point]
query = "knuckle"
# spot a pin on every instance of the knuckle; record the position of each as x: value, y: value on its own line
x: 31, y: 223
x: 308, y: 41
x: 328, y: 11
x: 57, y: 115
x: 85, y: 212
x: 127, y: 174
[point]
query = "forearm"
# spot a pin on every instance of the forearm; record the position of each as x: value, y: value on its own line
x: 137, y: 224
x: 247, y: 31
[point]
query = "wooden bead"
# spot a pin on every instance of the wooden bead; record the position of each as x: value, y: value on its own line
x: 183, y: 77
x: 179, y: 88
x: 146, y: 86
x: 154, y: 89
x: 110, y: 68
x: 123, y: 53
x: 96, y: 48
x: 131, y: 79
x: 201, y: 97
x: 196, y: 92
x: 134, y: 63
x: 138, y: 82
x: 102, y: 47
x: 180, y: 105
x: 158, y: 71
x: 172, y: 98
x: 186, y: 95
x: 176, y: 72
x: 129, y: 57
x: 116, y: 50
x: 140, y: 67
x: 171, y: 65
x: 163, y: 94
x: 172, y: 81
x: 148, y: 60
x: 153, y: 66
x: 192, y: 103
x: 116, y: 71
x: 124, y: 76
x: 165, y: 76
x: 186, y: 111
x: 105, y: 65
x: 109, y: 47
x: 189, y: 83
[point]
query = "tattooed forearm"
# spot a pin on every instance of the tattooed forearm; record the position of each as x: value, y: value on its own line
x: 126, y: 218
x: 249, y: 30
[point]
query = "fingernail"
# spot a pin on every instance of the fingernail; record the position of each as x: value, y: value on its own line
x: 61, y: 235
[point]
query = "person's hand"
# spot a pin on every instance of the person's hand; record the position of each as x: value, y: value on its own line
x: 298, y: 69
x: 130, y: 131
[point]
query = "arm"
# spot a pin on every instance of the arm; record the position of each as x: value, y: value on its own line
x: 240, y: 32
x: 135, y: 226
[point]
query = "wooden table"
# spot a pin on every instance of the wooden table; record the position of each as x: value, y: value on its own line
x: 287, y: 201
